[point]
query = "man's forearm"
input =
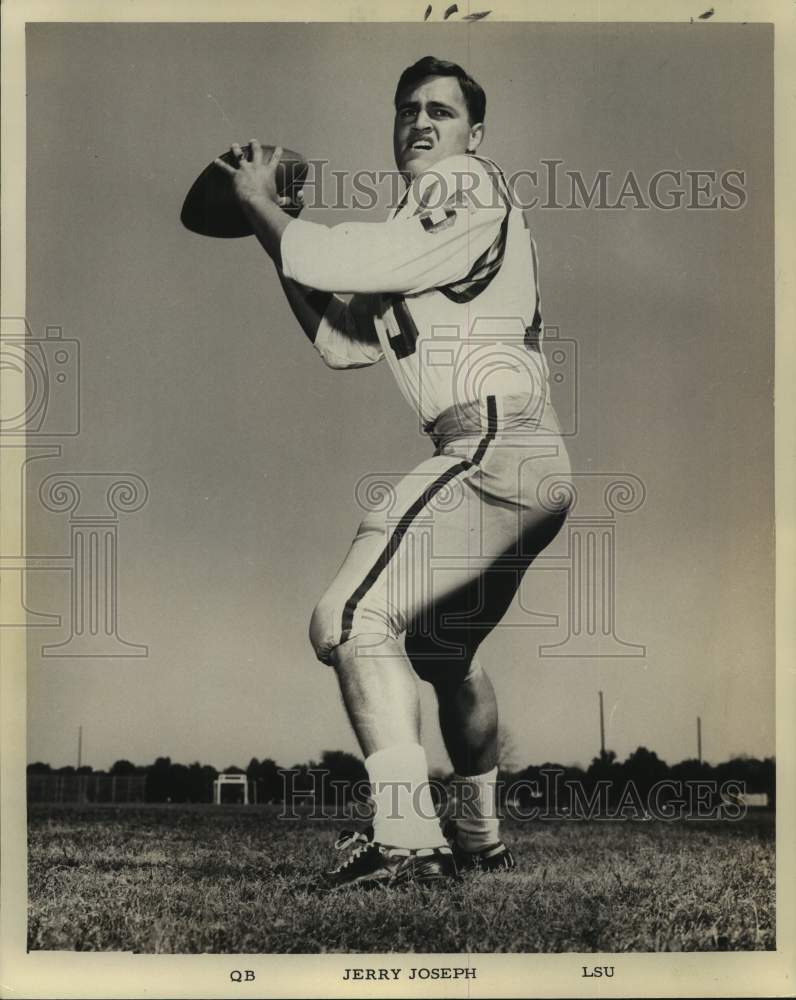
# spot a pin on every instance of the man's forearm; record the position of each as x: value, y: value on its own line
x: 308, y: 305
x: 269, y: 223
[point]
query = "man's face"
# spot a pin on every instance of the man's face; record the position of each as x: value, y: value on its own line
x: 431, y: 122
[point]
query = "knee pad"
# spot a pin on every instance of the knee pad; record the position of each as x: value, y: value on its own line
x: 322, y: 632
x: 333, y: 624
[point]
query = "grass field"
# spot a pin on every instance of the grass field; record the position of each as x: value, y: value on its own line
x: 191, y: 879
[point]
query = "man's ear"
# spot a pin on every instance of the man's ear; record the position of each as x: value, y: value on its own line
x: 476, y: 137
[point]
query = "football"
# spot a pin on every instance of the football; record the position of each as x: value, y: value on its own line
x: 210, y: 207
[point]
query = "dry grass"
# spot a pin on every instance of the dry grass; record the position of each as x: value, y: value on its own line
x: 192, y: 879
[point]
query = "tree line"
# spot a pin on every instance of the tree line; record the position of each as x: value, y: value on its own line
x: 338, y: 774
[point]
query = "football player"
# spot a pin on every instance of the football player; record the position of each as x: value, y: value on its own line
x: 446, y: 292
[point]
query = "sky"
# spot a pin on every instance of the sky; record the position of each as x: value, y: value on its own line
x: 195, y: 377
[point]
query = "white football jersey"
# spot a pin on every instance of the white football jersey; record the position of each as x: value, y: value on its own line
x: 446, y: 289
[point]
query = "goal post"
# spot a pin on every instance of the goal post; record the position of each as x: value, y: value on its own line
x: 234, y: 780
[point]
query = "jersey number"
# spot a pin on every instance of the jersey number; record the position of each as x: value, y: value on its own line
x: 404, y: 342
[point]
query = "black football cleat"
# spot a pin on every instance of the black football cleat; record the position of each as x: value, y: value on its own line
x: 495, y: 858
x: 372, y: 864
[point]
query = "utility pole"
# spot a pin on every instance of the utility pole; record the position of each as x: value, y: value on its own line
x: 79, y: 746
x: 699, y: 739
x: 602, y: 728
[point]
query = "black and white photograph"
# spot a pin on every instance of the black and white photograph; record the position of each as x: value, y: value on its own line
x: 392, y: 549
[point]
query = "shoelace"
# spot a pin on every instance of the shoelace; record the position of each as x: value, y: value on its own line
x: 348, y: 838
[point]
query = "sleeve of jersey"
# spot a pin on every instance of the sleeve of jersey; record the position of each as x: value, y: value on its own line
x: 436, y: 246
x: 346, y: 337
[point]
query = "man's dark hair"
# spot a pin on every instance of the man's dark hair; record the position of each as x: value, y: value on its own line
x: 474, y: 96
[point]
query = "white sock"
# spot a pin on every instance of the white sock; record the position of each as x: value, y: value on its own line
x: 404, y: 810
x: 477, y: 823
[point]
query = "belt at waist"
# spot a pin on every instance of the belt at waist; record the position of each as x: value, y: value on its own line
x: 469, y: 419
